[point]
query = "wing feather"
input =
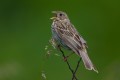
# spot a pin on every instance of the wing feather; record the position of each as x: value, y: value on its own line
x: 69, y: 37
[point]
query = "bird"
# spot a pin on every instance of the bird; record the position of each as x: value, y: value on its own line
x: 66, y: 35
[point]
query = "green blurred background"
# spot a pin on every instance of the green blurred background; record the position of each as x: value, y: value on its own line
x: 25, y: 31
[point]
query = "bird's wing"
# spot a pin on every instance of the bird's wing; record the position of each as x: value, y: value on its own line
x: 69, y: 35
x: 79, y: 36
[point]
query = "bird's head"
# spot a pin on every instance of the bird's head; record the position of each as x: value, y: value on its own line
x: 59, y: 15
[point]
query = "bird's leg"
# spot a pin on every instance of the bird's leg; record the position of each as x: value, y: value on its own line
x: 67, y: 56
x: 74, y: 76
x: 59, y: 48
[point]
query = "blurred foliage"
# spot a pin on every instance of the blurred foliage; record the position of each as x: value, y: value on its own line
x: 25, y: 31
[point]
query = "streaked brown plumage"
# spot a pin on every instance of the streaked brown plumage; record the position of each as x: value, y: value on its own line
x: 65, y: 34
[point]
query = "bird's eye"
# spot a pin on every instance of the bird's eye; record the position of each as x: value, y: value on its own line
x: 61, y: 14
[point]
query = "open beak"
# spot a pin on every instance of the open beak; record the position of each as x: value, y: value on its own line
x: 53, y: 18
x: 54, y: 12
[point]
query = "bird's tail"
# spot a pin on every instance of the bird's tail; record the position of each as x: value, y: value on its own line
x: 86, y: 60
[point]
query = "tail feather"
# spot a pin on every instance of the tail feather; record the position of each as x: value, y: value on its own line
x: 86, y: 60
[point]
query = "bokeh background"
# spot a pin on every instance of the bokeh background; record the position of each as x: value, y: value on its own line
x: 25, y: 30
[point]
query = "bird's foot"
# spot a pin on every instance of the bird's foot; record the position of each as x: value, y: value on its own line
x: 65, y: 58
